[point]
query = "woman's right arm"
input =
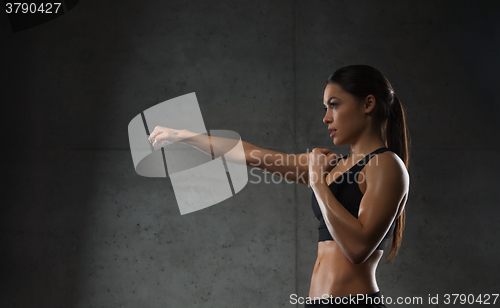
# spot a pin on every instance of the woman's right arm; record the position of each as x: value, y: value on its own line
x: 292, y: 167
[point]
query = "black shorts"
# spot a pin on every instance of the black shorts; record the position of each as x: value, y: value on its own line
x: 373, y: 300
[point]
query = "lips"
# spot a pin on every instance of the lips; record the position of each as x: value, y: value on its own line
x: 332, y: 132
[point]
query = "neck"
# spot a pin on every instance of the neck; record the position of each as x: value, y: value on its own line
x: 367, y: 142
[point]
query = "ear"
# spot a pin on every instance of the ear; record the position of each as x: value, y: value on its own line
x: 369, y: 104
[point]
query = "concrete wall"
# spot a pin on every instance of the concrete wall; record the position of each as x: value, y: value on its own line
x: 81, y: 229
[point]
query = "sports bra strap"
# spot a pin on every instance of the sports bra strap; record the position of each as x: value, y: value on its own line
x: 367, y: 158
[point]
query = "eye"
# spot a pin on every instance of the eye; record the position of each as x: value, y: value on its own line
x: 330, y: 105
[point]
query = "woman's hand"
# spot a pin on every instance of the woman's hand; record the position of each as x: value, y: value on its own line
x: 160, y: 135
x: 321, y: 162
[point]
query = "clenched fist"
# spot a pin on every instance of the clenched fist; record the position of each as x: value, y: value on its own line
x: 160, y: 135
x: 321, y: 162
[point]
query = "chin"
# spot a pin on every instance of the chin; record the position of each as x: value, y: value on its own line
x: 338, y: 142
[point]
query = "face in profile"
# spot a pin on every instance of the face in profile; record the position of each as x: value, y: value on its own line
x: 345, y: 115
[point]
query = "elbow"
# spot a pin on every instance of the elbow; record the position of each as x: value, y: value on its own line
x: 358, y: 259
x: 355, y: 259
x: 358, y: 256
x: 360, y: 250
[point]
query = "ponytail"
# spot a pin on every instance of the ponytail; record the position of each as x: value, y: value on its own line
x: 398, y: 142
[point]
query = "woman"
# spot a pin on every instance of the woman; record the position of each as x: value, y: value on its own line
x: 359, y: 199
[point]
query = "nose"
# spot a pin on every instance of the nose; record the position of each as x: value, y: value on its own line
x: 327, y: 119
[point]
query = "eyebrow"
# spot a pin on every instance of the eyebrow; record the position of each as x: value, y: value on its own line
x: 331, y: 99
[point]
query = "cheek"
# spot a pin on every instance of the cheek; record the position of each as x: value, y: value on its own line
x: 339, y: 117
x: 345, y: 119
x: 350, y: 114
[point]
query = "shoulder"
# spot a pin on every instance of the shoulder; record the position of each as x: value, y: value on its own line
x: 388, y: 167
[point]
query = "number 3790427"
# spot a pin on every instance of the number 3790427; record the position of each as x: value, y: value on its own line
x: 31, y: 8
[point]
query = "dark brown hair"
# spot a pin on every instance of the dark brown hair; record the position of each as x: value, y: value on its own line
x: 361, y: 81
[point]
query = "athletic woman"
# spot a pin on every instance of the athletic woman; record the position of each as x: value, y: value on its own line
x: 359, y: 199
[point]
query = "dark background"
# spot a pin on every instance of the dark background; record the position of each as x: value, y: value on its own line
x: 80, y: 228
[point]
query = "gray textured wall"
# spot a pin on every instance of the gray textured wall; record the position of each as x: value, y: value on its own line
x: 81, y: 229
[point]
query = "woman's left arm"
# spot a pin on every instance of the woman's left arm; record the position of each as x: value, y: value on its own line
x: 387, y: 183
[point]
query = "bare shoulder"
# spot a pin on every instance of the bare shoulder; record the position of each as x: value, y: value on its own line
x: 388, y: 167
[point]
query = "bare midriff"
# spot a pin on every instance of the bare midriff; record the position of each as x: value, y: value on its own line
x: 335, y: 275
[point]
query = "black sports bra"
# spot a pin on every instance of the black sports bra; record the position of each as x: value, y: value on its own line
x: 346, y: 189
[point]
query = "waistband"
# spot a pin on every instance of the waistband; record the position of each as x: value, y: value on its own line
x: 356, y: 299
